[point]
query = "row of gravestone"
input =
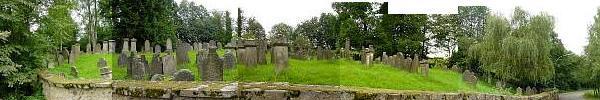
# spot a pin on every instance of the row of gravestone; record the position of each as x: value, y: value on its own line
x: 318, y: 52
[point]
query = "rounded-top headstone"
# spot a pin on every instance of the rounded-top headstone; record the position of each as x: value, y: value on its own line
x: 183, y: 75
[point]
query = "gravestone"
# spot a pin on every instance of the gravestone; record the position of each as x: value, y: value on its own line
x: 384, y: 58
x: 415, y: 63
x: 104, y: 46
x: 261, y: 52
x: 229, y: 60
x: 72, y: 58
x: 105, y: 72
x: 74, y: 72
x: 470, y: 78
x: 408, y: 62
x: 88, y: 48
x: 147, y: 47
x: 369, y: 55
x: 146, y: 64
x: 123, y: 59
x: 393, y: 60
x: 181, y: 54
x: 138, y: 69
x: 500, y: 84
x: 519, y: 91
x: 157, y: 48
x: 280, y: 50
x: 530, y: 91
x: 240, y: 53
x: 183, y: 75
x: 348, y: 48
x: 425, y: 68
x: 157, y: 77
x: 200, y: 59
x: 125, y: 45
x: 250, y: 56
x: 111, y: 46
x: 60, y: 59
x: 76, y: 49
x: 169, y: 46
x: 156, y: 66
x: 213, y: 71
x: 98, y: 48
x: 133, y: 45
x: 169, y: 64
x: 456, y: 68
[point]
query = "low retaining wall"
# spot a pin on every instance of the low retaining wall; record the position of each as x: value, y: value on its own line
x: 58, y: 88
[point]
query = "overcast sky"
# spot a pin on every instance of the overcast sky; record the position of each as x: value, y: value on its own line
x: 572, y: 17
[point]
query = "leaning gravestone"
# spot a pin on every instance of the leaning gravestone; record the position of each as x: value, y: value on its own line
x: 169, y: 64
x: 147, y: 46
x: 213, y: 71
x: 183, y: 75
x: 181, y: 53
x: 74, y: 72
x: 157, y: 77
x: 156, y: 66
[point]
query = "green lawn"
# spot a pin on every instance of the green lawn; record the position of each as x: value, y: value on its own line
x: 318, y: 72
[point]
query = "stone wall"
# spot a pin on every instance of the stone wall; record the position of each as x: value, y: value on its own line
x: 58, y: 88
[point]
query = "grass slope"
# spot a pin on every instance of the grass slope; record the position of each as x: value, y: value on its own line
x: 319, y: 72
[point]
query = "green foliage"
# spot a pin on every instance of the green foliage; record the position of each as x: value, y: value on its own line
x: 58, y: 25
x: 22, y: 52
x: 281, y: 28
x: 589, y: 73
x: 255, y: 30
x: 142, y: 19
x: 471, y: 22
x: 519, y: 54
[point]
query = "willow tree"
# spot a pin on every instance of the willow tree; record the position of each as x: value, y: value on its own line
x: 517, y: 51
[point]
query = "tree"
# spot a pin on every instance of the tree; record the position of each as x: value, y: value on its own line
x: 590, y: 72
x: 23, y: 52
x: 444, y: 29
x: 471, y: 22
x: 517, y: 52
x: 143, y: 19
x: 58, y: 24
x: 255, y: 30
x: 228, y: 28
x: 240, y: 23
x: 281, y: 28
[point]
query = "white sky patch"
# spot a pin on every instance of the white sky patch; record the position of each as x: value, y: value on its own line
x: 572, y: 17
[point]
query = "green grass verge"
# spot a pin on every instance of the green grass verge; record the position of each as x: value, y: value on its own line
x: 318, y: 72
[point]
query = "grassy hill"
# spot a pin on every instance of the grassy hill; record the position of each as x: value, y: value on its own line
x: 340, y: 72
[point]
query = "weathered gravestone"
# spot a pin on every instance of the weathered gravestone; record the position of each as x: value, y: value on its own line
x: 138, y: 69
x: 229, y: 60
x: 125, y: 45
x: 183, y: 75
x: 456, y: 68
x: 261, y: 52
x: 280, y: 50
x: 384, y: 58
x: 157, y: 77
x: 77, y: 49
x: 133, y: 45
x: 169, y: 64
x: 146, y: 64
x: 123, y: 59
x: 147, y: 47
x: 105, y: 72
x: 241, y: 53
x: 111, y: 46
x: 425, y: 68
x: 250, y: 54
x: 369, y: 55
x: 415, y: 63
x: 72, y: 58
x: 88, y: 48
x: 181, y: 53
x: 98, y: 48
x: 519, y: 91
x: 200, y: 59
x: 156, y: 66
x: 530, y: 91
x: 169, y: 46
x: 74, y: 72
x: 59, y: 59
x: 470, y: 78
x: 347, y: 48
x: 104, y: 46
x: 213, y: 71
x: 157, y: 48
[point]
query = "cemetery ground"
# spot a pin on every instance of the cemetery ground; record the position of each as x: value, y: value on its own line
x: 339, y: 72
